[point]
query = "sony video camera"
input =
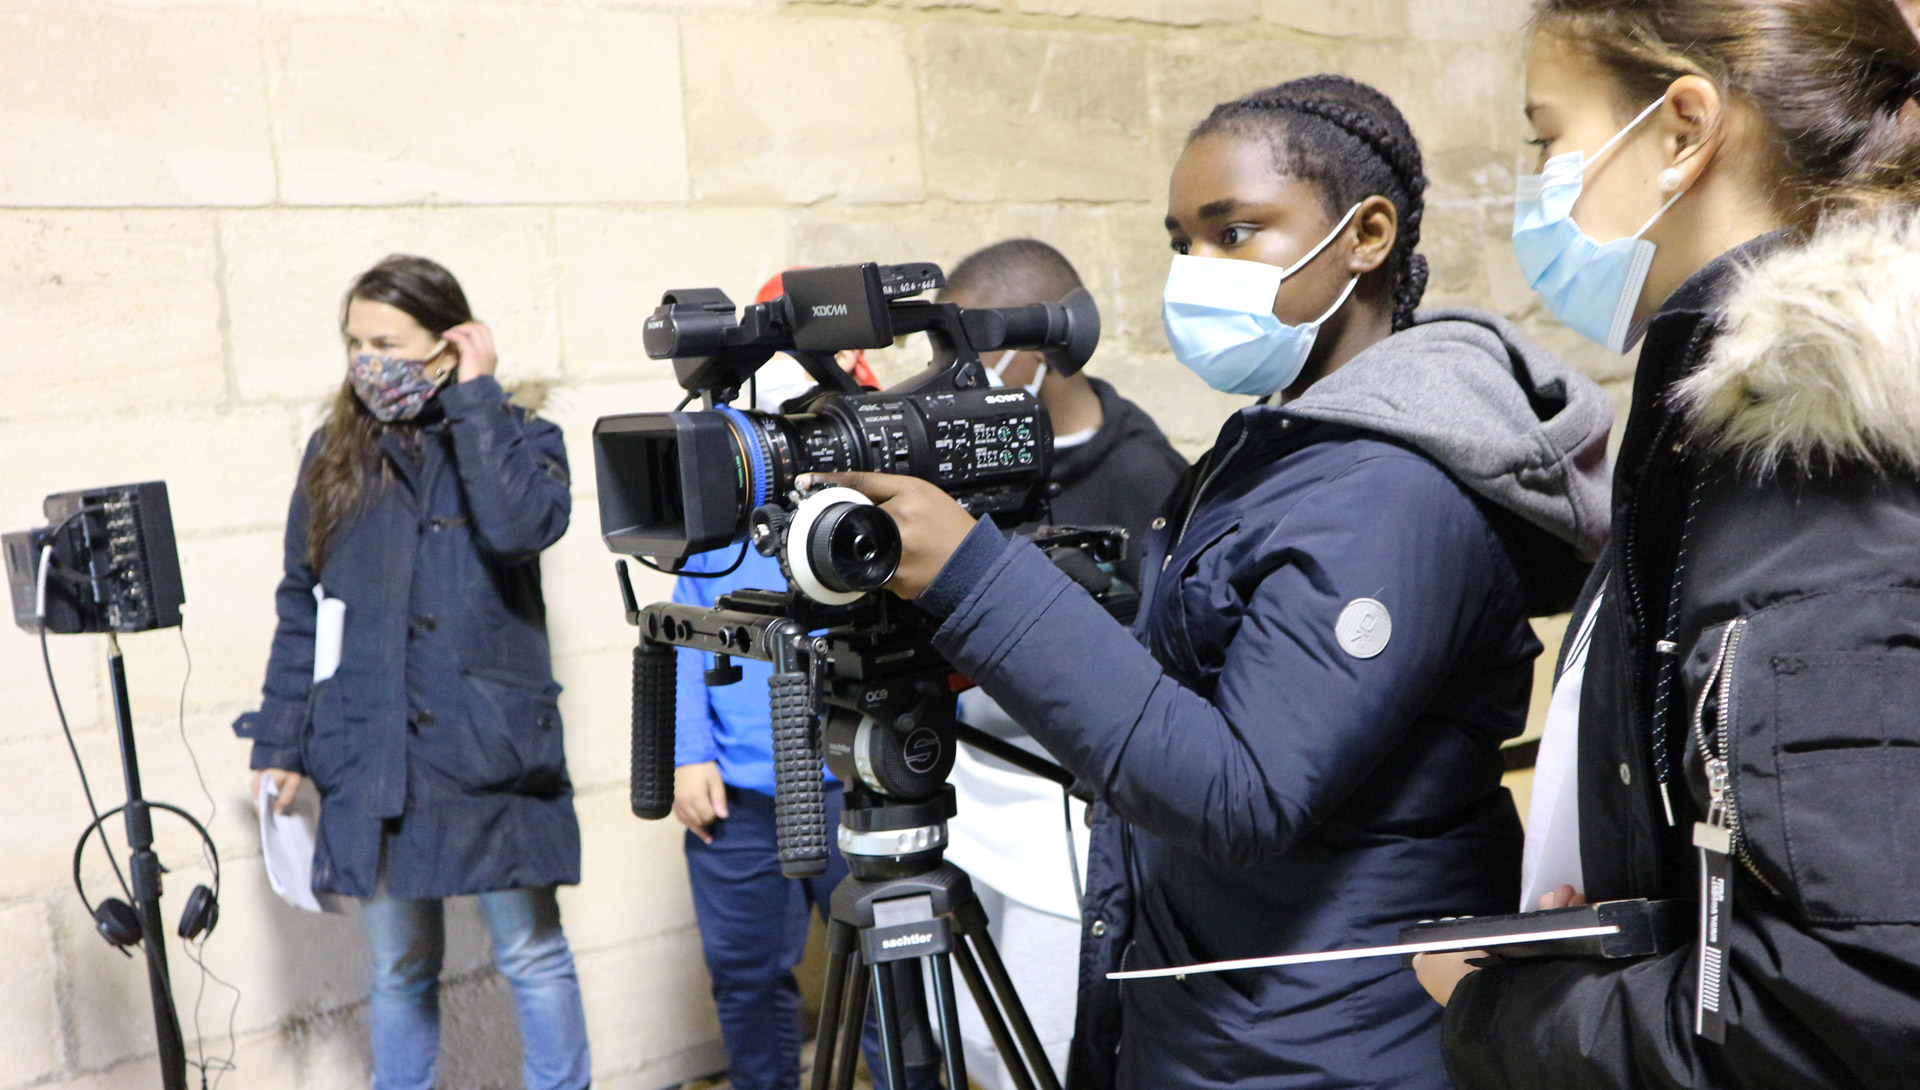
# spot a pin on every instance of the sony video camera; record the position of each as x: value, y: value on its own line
x: 677, y: 483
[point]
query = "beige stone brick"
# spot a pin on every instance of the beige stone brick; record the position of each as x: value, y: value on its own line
x: 1482, y: 104
x: 1190, y: 74
x: 616, y: 263
x: 385, y: 113
x: 229, y: 622
x: 225, y: 470
x: 100, y: 112
x: 29, y: 1005
x: 597, y: 707
x: 104, y: 311
x: 647, y: 1001
x: 23, y: 681
x: 798, y: 110
x: 1034, y: 114
x: 633, y: 876
x: 286, y: 271
x: 584, y: 612
x: 1495, y: 22
x: 49, y: 812
x: 1143, y: 258
x: 938, y: 232
x: 1342, y: 18
x: 1175, y: 12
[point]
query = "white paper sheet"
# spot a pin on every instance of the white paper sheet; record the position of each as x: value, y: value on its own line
x: 1551, y: 857
x: 329, y: 626
x: 286, y: 842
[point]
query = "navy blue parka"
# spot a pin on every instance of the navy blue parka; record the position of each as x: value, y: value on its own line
x: 1297, y: 747
x: 440, y: 730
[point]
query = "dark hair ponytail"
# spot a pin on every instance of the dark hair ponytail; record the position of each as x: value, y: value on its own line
x: 1830, y: 79
x: 1352, y: 142
x: 347, y: 462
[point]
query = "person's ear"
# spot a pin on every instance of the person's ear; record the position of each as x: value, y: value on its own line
x: 1374, y: 229
x: 1692, y: 125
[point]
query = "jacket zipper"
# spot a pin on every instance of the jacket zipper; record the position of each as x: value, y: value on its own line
x: 1723, y: 808
x: 1198, y: 494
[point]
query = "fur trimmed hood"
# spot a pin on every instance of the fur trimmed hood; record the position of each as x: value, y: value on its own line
x: 1818, y: 358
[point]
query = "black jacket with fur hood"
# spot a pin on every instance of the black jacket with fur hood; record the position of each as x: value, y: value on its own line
x: 1761, y: 598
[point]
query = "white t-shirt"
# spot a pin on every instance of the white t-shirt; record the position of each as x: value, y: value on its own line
x: 1551, y: 857
x: 1010, y: 832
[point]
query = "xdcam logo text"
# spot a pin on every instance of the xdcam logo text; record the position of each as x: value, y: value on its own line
x: 829, y: 310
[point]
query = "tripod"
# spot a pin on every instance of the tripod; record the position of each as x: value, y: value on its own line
x: 873, y: 697
x: 902, y: 903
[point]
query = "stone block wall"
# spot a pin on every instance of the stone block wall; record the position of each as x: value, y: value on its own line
x: 188, y: 185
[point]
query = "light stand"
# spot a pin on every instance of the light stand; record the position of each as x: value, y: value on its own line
x: 145, y: 869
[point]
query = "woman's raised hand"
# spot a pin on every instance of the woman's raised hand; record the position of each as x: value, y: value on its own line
x: 473, y: 344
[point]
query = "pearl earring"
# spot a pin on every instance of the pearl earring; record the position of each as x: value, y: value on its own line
x: 1669, y: 180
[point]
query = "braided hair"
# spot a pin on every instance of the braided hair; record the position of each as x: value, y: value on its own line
x: 1350, y: 141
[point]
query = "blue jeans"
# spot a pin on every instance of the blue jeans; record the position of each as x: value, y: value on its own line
x: 753, y: 931
x: 407, y: 940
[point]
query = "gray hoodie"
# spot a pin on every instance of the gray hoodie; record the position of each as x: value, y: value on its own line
x: 1508, y: 419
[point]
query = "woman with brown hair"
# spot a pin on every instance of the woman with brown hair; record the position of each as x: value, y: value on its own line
x: 1739, y: 181
x: 424, y: 502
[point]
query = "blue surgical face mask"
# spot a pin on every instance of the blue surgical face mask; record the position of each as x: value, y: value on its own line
x: 996, y: 374
x: 1220, y: 321
x: 1592, y: 287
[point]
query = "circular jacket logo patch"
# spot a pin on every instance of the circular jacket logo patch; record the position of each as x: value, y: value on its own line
x: 1364, y: 628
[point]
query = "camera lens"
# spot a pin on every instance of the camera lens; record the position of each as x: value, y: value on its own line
x: 854, y: 547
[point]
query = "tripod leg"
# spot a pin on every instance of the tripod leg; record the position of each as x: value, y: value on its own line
x: 990, y: 1013
x: 834, y: 1069
x: 949, y: 1015
x: 832, y: 1012
x: 1010, y: 1001
x: 886, y: 1002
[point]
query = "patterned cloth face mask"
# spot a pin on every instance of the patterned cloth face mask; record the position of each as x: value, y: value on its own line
x: 394, y: 388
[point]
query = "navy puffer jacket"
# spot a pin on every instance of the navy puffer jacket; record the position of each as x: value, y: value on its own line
x: 1297, y: 748
x: 441, y: 726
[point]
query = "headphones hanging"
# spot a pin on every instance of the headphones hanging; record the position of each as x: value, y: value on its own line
x: 117, y: 921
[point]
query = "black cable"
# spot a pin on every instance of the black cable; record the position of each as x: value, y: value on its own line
x: 685, y: 401
x: 739, y: 559
x: 46, y: 658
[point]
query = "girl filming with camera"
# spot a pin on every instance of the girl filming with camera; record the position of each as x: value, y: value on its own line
x: 1741, y: 180
x: 424, y: 502
x: 1297, y: 747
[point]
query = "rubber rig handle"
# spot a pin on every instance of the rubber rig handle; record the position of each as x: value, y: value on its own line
x: 653, y: 693
x: 799, y: 804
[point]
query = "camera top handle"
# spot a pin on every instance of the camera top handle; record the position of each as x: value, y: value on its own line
x: 839, y: 307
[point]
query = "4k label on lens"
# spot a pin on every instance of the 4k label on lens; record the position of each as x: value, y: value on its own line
x: 1716, y: 915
